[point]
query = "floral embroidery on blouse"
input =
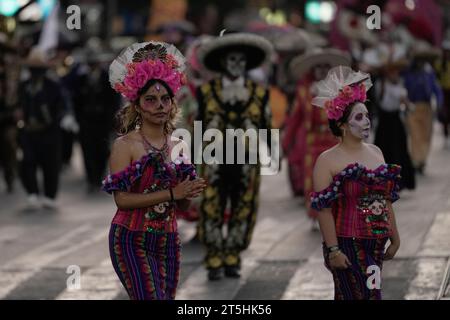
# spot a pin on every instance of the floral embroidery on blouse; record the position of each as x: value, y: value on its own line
x: 358, y: 197
x: 146, y: 175
x: 325, y: 198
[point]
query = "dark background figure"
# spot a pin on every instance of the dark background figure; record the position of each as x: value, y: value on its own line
x: 95, y: 105
x: 391, y: 136
x: 178, y: 33
x: 443, y: 73
x: 66, y: 73
x: 306, y: 133
x: 42, y: 106
x: 421, y: 83
x: 8, y: 132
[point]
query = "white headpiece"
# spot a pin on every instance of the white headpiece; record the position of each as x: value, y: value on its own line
x: 144, y: 61
x: 341, y: 87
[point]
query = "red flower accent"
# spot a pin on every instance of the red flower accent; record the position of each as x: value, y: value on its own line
x: 348, y: 95
x: 347, y: 92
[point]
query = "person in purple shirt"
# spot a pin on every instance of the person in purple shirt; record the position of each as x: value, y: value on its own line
x: 421, y: 84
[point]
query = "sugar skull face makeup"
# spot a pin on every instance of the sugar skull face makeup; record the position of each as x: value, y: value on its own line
x: 156, y: 104
x: 153, y: 102
x: 235, y: 64
x: 359, y: 122
x: 156, y: 98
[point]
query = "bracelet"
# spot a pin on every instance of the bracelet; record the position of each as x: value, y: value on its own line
x: 171, y: 195
x: 334, y: 254
x: 332, y: 249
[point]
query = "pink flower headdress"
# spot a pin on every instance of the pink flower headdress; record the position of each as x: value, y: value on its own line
x: 141, y: 62
x: 341, y: 87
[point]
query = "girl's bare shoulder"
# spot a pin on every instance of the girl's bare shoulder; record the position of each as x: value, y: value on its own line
x: 328, y: 157
x: 129, y: 143
x: 375, y: 151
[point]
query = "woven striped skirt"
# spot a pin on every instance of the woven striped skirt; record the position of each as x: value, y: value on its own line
x: 361, y: 281
x: 148, y: 264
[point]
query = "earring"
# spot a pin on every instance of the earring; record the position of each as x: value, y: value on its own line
x: 138, y: 122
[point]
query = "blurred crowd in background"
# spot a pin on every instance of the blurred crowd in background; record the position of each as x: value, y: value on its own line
x: 54, y: 89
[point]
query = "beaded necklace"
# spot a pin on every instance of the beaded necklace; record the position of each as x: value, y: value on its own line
x: 151, y: 148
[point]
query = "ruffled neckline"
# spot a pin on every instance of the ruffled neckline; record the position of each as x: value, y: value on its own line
x: 357, y: 171
x: 356, y: 165
x: 122, y: 180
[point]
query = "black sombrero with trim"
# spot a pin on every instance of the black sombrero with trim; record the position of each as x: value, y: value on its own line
x: 257, y: 49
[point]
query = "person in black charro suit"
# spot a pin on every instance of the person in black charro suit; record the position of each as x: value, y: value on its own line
x: 231, y: 101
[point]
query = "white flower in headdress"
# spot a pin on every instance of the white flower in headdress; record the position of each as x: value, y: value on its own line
x: 341, y: 87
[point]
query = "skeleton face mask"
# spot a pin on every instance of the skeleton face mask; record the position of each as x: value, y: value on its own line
x: 377, y: 207
x: 359, y: 122
x: 235, y: 64
x: 161, y: 208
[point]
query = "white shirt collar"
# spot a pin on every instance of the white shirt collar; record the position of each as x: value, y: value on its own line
x: 238, y: 82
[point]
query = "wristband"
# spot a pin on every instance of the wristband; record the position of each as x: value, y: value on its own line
x: 334, y: 254
x: 332, y: 249
x: 171, y: 195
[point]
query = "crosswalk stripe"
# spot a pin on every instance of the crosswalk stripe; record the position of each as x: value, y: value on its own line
x: 267, y: 233
x: 97, y: 283
x: 432, y: 260
x: 426, y: 283
x: 11, y: 232
x: 437, y: 240
x: 265, y: 238
x: 25, y: 266
x: 311, y: 281
x: 197, y: 286
x: 101, y: 282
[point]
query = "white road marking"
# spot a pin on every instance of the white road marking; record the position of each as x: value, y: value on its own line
x: 25, y: 266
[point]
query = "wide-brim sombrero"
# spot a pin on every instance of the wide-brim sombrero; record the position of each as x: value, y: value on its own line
x: 284, y: 38
x: 300, y: 65
x: 296, y: 41
x: 423, y: 50
x: 257, y: 49
x: 386, y: 56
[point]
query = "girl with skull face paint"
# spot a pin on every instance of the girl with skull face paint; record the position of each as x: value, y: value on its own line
x: 354, y: 191
x: 149, y: 185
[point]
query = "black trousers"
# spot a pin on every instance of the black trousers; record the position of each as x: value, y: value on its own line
x: 8, y: 147
x: 67, y: 141
x: 391, y: 138
x: 94, y: 140
x: 41, y: 150
x: 444, y: 113
x: 240, y: 185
